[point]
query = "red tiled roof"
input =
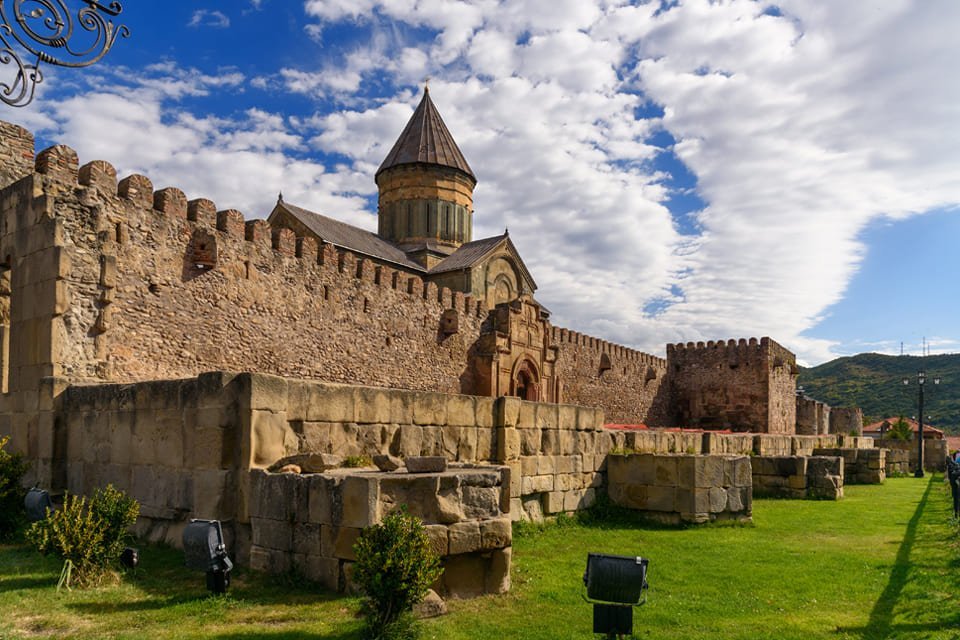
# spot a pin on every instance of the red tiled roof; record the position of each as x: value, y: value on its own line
x: 935, y: 433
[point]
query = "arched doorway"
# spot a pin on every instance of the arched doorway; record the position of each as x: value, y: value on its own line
x: 525, y: 383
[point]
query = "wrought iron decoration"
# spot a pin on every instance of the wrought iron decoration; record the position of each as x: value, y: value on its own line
x: 45, y: 29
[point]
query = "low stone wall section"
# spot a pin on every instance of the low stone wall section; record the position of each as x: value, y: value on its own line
x: 797, y: 477
x: 860, y: 466
x: 682, y: 488
x: 309, y: 523
x: 934, y: 452
x: 898, y: 463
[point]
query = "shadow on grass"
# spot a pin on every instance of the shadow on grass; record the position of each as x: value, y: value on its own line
x: 880, y: 625
x: 284, y: 635
x: 16, y: 584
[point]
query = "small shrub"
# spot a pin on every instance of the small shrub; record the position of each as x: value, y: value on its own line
x: 12, y: 469
x: 87, y: 535
x: 394, y: 570
x: 353, y: 462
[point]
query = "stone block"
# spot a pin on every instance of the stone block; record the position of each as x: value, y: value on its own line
x: 529, y: 465
x: 550, y: 442
x: 481, y: 502
x: 548, y: 416
x: 213, y: 494
x: 438, y: 536
x: 568, y: 442
x: 508, y: 444
x: 320, y: 499
x: 271, y: 437
x: 464, y: 537
x: 545, y: 466
x: 372, y: 405
x: 386, y: 462
x: 426, y: 464
x: 337, y: 542
x: 331, y: 403
x: 527, y: 417
x: 259, y: 559
x: 467, y: 446
x: 665, y: 471
x: 537, y: 484
x: 661, y: 498
x: 411, y: 440
x: 306, y: 538
x: 325, y: 571
x: 360, y: 497
x: 496, y: 533
x: 461, y: 411
x: 497, y: 579
x: 464, y: 576
x: 271, y: 534
x: 530, y: 440
x: 718, y: 499
x: 430, y: 409
x: 552, y: 502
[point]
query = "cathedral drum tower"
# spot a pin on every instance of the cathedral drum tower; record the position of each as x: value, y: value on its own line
x: 426, y: 190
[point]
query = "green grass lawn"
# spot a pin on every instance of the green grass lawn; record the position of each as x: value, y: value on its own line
x: 882, y: 563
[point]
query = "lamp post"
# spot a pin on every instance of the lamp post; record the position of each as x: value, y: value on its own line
x: 921, y: 381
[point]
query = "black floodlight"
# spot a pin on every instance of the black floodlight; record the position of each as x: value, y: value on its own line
x: 130, y: 558
x: 615, y: 584
x: 36, y: 503
x: 204, y: 550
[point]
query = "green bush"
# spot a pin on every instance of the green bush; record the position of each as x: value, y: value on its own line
x: 394, y: 570
x: 87, y: 535
x: 12, y: 493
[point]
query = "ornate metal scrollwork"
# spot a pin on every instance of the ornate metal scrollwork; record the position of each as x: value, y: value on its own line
x: 46, y: 29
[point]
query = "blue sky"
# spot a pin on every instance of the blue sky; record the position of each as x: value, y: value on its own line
x: 670, y: 172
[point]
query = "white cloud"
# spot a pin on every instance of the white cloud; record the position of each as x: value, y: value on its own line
x: 209, y: 18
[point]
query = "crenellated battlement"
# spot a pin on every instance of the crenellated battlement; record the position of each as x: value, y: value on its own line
x: 156, y: 283
x: 60, y: 163
x: 764, y: 352
x: 560, y: 335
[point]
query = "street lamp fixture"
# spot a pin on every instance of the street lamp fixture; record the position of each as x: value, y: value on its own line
x: 921, y: 383
x: 35, y: 31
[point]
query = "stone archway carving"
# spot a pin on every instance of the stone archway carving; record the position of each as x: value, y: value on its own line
x: 525, y: 382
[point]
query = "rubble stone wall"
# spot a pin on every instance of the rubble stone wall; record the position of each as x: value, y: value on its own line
x: 682, y: 488
x: 309, y: 523
x: 738, y: 385
x: 629, y: 385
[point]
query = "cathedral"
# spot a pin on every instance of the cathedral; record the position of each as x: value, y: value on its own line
x: 425, y: 218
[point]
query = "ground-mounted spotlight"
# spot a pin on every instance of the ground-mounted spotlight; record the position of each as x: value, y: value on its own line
x: 36, y: 503
x: 130, y: 558
x: 204, y: 550
x: 615, y: 584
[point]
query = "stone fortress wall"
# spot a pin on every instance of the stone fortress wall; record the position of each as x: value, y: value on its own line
x: 201, y: 289
x: 597, y: 373
x: 118, y: 300
x: 741, y: 385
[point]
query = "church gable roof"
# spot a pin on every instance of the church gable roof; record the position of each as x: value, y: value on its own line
x: 426, y: 139
x: 473, y: 253
x: 347, y: 236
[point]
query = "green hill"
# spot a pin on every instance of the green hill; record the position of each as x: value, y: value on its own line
x: 873, y: 382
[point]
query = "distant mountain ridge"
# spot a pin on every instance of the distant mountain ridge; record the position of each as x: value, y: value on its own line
x: 873, y: 382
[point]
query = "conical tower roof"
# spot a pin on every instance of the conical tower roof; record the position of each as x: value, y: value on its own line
x: 426, y: 139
